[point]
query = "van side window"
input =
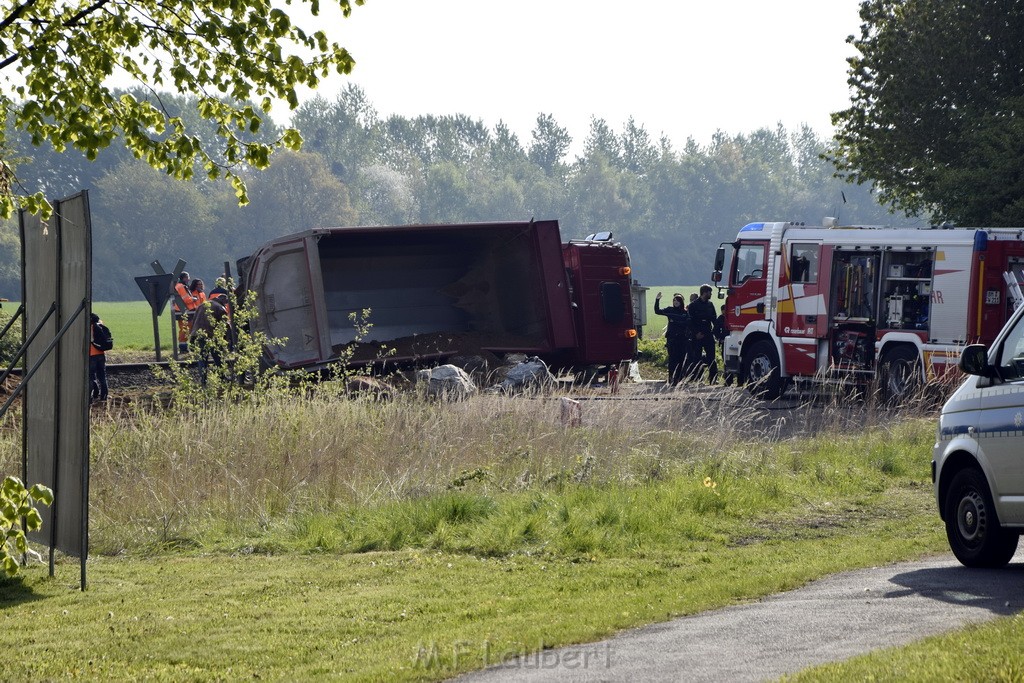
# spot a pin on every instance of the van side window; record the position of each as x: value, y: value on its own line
x: 749, y: 263
x: 1011, y: 356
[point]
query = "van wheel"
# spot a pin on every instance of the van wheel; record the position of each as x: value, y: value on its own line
x: 972, y: 527
x: 900, y: 374
x: 761, y: 370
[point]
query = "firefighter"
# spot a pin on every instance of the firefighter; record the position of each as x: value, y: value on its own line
x: 677, y: 336
x: 702, y: 319
x: 183, y: 316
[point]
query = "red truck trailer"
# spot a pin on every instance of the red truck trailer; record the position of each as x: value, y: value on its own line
x: 435, y: 291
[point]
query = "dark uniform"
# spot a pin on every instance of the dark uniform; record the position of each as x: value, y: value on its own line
x: 702, y: 320
x: 677, y: 340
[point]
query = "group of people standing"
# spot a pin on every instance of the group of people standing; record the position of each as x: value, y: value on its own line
x: 200, y: 317
x: 690, y: 336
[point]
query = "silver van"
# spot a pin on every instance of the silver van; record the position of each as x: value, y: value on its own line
x: 978, y: 461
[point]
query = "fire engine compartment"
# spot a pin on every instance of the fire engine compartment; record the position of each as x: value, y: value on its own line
x: 875, y: 290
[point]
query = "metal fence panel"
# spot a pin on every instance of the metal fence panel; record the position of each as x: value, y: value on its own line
x: 58, y: 268
x: 39, y: 291
x: 75, y: 232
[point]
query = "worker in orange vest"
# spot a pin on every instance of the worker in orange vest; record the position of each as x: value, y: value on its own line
x: 198, y: 291
x: 181, y: 288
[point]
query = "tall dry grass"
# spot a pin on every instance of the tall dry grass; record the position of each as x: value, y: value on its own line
x: 161, y: 478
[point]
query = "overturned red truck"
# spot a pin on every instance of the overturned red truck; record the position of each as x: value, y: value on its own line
x: 436, y: 291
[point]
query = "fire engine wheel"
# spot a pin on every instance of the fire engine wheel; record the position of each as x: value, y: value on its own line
x: 900, y: 374
x: 972, y: 529
x: 761, y: 370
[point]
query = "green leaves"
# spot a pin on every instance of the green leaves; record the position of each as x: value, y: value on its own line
x: 65, y: 53
x: 17, y: 504
x: 935, y: 90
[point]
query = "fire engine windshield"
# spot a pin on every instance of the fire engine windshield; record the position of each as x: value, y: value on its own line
x: 749, y: 263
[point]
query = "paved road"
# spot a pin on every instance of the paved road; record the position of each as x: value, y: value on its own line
x: 829, y: 620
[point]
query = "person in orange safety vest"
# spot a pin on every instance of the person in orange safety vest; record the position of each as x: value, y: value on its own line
x: 181, y: 288
x: 198, y: 291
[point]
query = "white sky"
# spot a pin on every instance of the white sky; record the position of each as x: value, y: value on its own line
x: 679, y: 68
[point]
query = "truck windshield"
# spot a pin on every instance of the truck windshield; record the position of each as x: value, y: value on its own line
x: 749, y: 263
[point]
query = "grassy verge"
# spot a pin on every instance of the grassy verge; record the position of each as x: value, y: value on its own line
x: 405, y: 615
x: 990, y: 652
x: 413, y: 540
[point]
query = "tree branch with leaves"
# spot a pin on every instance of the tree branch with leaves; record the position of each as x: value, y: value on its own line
x: 58, y: 59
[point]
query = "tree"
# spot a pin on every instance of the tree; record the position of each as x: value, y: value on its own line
x: 601, y: 140
x: 224, y: 52
x: 342, y: 131
x: 159, y: 217
x: 297, y: 193
x: 385, y: 196
x: 638, y: 152
x: 550, y: 144
x: 935, y: 118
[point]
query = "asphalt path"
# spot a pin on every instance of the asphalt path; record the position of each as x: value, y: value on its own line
x: 829, y: 620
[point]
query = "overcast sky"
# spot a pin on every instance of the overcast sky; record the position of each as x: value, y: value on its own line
x: 678, y: 68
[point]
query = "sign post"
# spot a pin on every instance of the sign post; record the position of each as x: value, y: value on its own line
x: 157, y: 290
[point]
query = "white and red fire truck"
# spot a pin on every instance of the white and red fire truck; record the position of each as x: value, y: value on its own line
x: 850, y: 302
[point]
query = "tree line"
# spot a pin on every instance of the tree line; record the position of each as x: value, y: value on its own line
x: 670, y: 204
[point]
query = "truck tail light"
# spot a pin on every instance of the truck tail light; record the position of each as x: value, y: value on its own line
x: 625, y: 270
x: 630, y: 334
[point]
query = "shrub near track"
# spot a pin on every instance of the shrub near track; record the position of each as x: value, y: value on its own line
x: 307, y: 538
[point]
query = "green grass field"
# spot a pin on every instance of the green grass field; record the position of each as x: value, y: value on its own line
x: 131, y: 322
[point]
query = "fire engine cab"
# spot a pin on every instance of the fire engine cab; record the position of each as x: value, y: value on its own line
x: 845, y: 303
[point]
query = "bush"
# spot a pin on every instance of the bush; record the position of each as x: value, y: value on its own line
x: 18, y: 503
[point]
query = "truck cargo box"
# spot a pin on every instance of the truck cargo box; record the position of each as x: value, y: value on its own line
x: 437, y: 290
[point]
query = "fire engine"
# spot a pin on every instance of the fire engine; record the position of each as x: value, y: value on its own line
x: 850, y: 303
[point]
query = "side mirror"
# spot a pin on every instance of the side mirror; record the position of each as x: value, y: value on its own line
x: 716, y: 276
x: 974, y: 361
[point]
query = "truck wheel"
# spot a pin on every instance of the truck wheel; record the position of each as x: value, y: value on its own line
x: 972, y: 528
x: 761, y: 370
x: 899, y: 374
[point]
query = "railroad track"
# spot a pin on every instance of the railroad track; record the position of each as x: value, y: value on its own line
x: 123, y: 377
